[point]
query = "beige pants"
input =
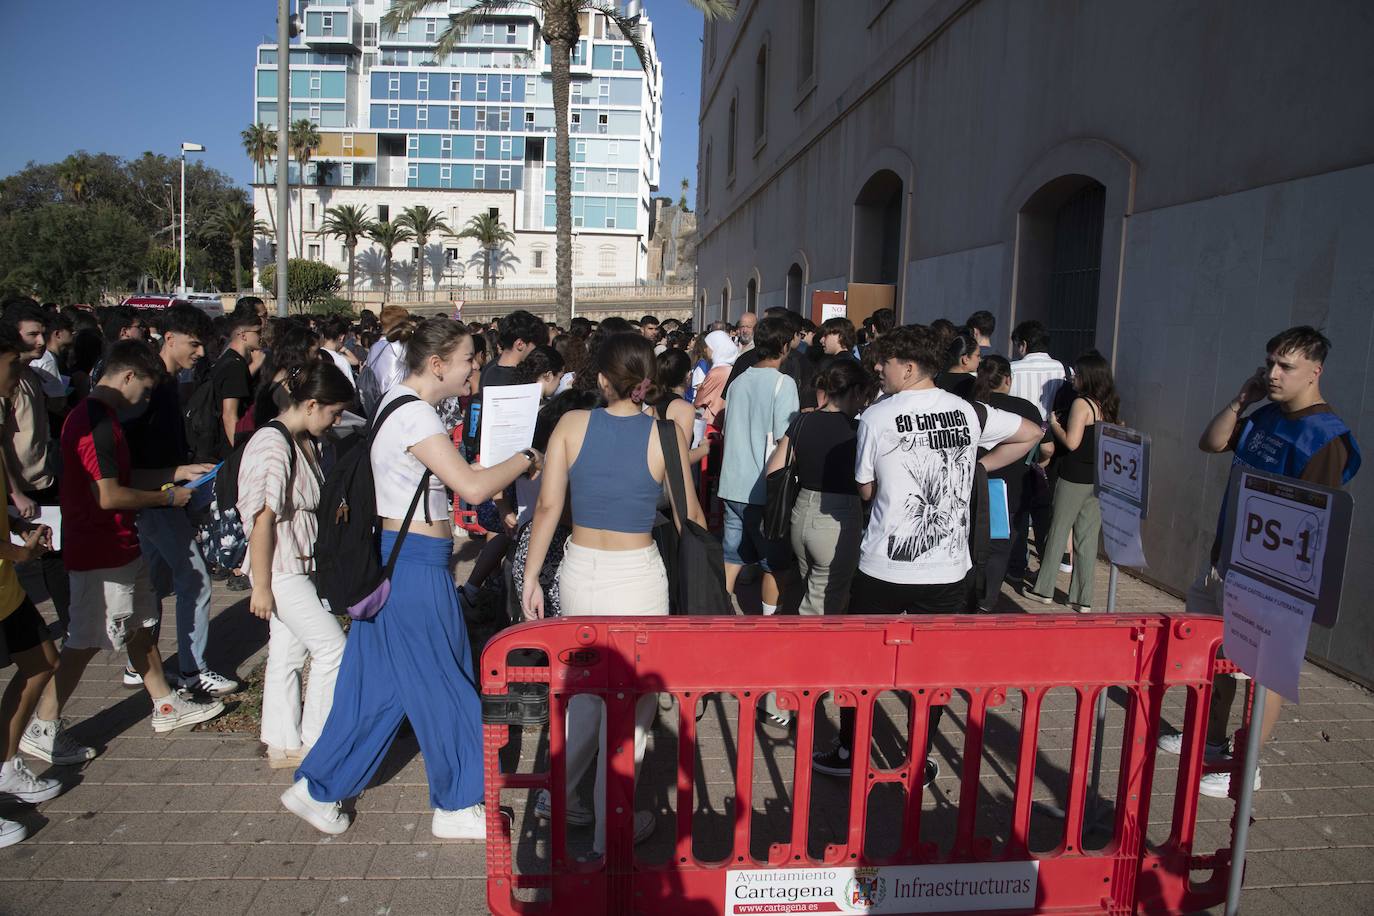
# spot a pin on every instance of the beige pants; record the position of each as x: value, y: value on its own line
x: 827, y: 529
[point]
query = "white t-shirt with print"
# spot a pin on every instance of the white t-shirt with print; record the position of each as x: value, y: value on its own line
x: 395, y: 471
x: 919, y: 446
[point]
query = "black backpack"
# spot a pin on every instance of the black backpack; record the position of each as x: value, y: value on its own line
x: 349, y: 574
x: 227, y: 478
x: 202, y: 413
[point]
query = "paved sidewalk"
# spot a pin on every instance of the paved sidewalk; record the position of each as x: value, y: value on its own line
x: 191, y: 823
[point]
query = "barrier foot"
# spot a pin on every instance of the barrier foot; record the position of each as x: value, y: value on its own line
x: 1244, y: 802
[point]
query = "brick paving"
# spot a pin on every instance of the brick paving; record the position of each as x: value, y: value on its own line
x: 190, y: 823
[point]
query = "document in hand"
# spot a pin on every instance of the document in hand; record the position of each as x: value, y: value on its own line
x: 509, y: 413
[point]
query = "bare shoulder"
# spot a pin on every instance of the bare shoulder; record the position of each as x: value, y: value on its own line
x: 570, y: 433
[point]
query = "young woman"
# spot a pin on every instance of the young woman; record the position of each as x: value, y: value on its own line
x: 828, y: 520
x: 610, y: 463
x: 993, y: 388
x: 701, y: 364
x: 961, y: 364
x: 1076, y: 509
x: 710, y: 394
x: 412, y: 660
x: 277, y: 502
x: 294, y: 346
x: 669, y: 399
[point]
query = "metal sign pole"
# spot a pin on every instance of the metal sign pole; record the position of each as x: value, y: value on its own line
x: 1243, y: 803
x: 1101, y: 711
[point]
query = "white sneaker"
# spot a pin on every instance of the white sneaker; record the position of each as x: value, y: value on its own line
x: 177, y: 710
x: 577, y: 816
x: 468, y: 823
x: 18, y: 782
x: 1218, y: 785
x: 132, y: 678
x: 326, y: 817
x: 11, y: 832
x: 49, y: 741
x: 1213, y: 753
x: 213, y: 683
x: 645, y: 824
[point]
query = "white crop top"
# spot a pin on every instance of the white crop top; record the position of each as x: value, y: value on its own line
x: 395, y: 471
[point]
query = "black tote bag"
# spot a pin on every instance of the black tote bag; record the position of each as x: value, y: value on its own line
x: 782, y: 486
x: 699, y: 583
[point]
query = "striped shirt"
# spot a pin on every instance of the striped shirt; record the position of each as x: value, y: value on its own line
x: 263, y: 477
x: 1037, y: 377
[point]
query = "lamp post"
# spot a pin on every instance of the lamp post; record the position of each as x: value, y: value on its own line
x: 185, y: 148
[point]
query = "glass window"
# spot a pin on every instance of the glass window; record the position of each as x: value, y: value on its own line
x: 481, y: 119
x: 482, y: 86
x: 347, y: 141
x: 314, y: 82
x: 538, y: 259
x: 613, y: 148
x: 480, y: 144
x: 612, y: 179
x: 511, y: 32
x: 579, y: 178
x: 479, y: 173
x: 505, y: 176
x: 455, y: 90
x: 445, y: 144
x: 393, y: 84
x: 431, y: 29
x: 618, y: 58
x: 489, y: 30
x: 445, y: 173
x: 529, y: 118
x: 608, y: 254
x: 505, y: 147
x: 422, y: 84
x: 422, y: 116
x: 577, y: 117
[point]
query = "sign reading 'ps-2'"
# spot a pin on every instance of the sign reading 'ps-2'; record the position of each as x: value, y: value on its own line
x: 1123, y: 490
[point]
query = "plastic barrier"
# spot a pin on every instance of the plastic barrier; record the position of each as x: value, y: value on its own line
x: 857, y: 658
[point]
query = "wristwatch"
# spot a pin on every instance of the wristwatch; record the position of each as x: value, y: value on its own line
x: 529, y: 453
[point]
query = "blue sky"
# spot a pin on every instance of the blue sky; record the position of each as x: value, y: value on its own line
x: 138, y: 75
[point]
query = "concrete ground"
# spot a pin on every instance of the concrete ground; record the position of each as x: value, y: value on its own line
x: 191, y: 823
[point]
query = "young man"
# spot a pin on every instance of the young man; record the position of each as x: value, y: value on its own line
x: 113, y: 604
x: 763, y: 402
x: 982, y: 324
x: 1036, y: 377
x: 57, y: 338
x: 123, y: 324
x: 232, y: 379
x: 915, y: 466
x: 24, y: 634
x: 333, y: 333
x: 1296, y: 434
x: 648, y: 326
x: 519, y: 333
x: 26, y: 444
x: 157, y: 439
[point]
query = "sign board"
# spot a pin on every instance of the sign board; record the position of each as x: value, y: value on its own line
x: 827, y: 304
x: 1003, y: 886
x: 1283, y: 554
x: 1122, y: 486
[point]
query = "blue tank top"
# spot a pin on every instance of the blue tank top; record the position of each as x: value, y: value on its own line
x: 610, y: 483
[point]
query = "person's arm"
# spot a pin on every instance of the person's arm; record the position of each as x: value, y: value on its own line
x: 154, y: 478
x: 682, y: 414
x: 262, y: 544
x: 112, y: 496
x: 28, y: 508
x: 32, y: 548
x: 866, y: 453
x: 1014, y: 447
x: 229, y: 417
x: 1216, y: 438
x: 548, y: 510
x: 778, y: 459
x: 474, y: 485
x: 1072, y: 435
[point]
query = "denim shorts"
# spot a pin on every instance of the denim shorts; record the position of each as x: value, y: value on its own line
x: 745, y: 543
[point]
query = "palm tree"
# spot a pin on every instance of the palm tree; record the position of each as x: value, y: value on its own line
x: 74, y: 177
x: 305, y: 139
x: 560, y: 30
x: 490, y: 234
x: 389, y: 235
x: 682, y: 201
x: 260, y: 143
x: 234, y: 223
x: 350, y: 223
x: 422, y: 223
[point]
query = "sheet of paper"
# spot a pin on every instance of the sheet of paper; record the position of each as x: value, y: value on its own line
x: 1266, y: 632
x: 1121, y: 532
x: 47, y: 515
x: 508, y: 416
x: 833, y: 310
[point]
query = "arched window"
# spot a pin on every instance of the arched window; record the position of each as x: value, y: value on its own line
x: 796, y: 281
x: 878, y: 229
x: 761, y: 95
x: 751, y: 295
x: 1061, y: 262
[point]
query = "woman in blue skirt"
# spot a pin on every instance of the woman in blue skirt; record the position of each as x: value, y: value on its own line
x: 412, y: 660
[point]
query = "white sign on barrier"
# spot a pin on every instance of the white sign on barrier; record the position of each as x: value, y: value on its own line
x: 1122, y: 486
x: 883, y: 889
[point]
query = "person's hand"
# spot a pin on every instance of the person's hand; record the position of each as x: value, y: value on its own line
x: 33, y: 541
x: 44, y: 536
x: 192, y: 471
x: 509, y: 521
x: 27, y: 507
x: 532, y: 601
x: 260, y: 602
x: 1255, y: 389
x: 181, y: 496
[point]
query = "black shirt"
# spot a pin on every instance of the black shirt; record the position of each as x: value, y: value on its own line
x: 1015, y: 473
x: 157, y: 437
x: 1077, y: 465
x: 795, y: 365
x: 825, y: 445
x: 957, y: 383
x: 231, y: 379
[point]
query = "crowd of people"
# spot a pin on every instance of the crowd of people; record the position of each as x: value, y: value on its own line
x: 178, y: 450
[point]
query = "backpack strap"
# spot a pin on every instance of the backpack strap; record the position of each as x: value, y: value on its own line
x: 376, y: 425
x: 672, y: 468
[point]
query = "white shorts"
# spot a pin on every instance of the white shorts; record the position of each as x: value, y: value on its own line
x: 110, y: 605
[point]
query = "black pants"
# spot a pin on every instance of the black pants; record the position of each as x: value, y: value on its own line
x: 874, y: 596
x: 1036, y: 510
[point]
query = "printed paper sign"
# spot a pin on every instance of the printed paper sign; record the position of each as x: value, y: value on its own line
x: 1266, y: 632
x: 1123, y: 464
x: 888, y: 889
x: 1121, y: 531
x: 833, y: 310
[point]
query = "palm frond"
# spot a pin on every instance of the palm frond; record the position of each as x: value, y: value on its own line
x: 405, y: 10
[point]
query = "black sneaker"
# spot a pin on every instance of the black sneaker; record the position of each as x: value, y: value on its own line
x: 932, y: 770
x: 834, y: 762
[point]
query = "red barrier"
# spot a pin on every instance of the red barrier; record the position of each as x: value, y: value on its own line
x: 857, y: 658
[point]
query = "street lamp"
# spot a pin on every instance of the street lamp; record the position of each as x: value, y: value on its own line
x: 185, y: 148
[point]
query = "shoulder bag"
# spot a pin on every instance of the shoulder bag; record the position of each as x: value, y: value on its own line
x: 700, y: 581
x: 782, y: 486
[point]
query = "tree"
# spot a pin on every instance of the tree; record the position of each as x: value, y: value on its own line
x: 235, y: 224
x: 74, y: 175
x: 163, y: 264
x: 260, y: 143
x: 682, y: 201
x: 350, y: 223
x: 560, y: 30
x: 69, y: 253
x: 389, y: 235
x: 305, y: 139
x: 490, y: 234
x: 308, y: 283
x: 422, y: 223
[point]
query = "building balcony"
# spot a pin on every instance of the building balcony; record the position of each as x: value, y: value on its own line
x: 328, y: 27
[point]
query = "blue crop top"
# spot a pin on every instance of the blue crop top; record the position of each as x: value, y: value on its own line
x: 610, y: 482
